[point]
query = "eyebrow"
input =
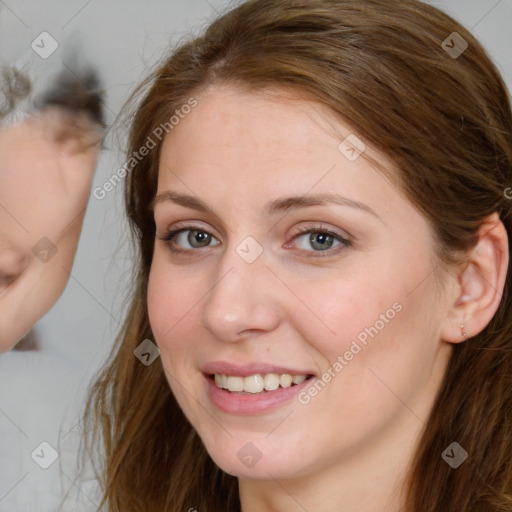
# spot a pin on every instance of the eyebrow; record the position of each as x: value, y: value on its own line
x: 274, y: 207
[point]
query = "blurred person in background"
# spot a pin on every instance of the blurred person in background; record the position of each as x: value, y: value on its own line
x: 49, y: 145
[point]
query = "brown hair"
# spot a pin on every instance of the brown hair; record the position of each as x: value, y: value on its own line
x: 447, y: 125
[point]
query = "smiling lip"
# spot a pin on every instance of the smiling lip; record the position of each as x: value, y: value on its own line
x: 225, y: 368
x: 250, y: 404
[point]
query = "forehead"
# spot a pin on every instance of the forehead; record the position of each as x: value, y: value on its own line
x: 277, y: 119
x: 266, y: 143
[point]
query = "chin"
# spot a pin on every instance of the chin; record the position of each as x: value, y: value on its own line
x: 257, y: 460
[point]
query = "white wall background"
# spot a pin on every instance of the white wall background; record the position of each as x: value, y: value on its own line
x: 41, y: 392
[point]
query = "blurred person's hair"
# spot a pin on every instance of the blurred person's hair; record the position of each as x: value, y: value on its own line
x: 447, y: 126
x: 14, y: 88
x: 70, y: 92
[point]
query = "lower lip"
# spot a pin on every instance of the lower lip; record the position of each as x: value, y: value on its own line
x: 256, y: 403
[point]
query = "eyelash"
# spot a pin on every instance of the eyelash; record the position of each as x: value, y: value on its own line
x: 344, y: 243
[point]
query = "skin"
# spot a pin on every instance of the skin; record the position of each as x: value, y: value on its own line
x: 301, y: 308
x: 48, y: 162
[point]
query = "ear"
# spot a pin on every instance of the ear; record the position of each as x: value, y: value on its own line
x: 480, y: 283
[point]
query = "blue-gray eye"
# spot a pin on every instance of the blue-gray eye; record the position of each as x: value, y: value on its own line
x: 318, y: 240
x: 192, y: 238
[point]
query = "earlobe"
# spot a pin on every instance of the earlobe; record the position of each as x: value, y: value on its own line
x: 479, y: 284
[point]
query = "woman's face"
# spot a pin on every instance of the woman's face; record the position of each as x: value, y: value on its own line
x: 291, y: 257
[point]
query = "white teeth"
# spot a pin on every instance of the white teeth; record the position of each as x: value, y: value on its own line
x: 254, y: 384
x: 257, y: 383
x: 271, y: 381
x: 235, y: 383
x: 285, y: 380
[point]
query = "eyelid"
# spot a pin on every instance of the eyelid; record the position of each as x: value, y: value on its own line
x: 344, y: 240
x: 319, y: 227
x: 186, y: 226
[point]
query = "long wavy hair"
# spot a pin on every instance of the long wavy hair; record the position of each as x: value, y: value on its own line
x: 445, y: 121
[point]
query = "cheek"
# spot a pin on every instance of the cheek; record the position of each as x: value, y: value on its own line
x: 342, y: 310
x: 169, y: 301
x: 171, y: 310
x: 163, y: 308
x: 367, y: 327
x: 174, y: 308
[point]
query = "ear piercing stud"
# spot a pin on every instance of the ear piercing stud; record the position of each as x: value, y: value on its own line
x: 463, y: 330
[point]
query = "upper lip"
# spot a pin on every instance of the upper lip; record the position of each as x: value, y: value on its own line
x: 244, y: 370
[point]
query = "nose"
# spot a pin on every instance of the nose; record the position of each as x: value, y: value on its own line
x: 244, y: 301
